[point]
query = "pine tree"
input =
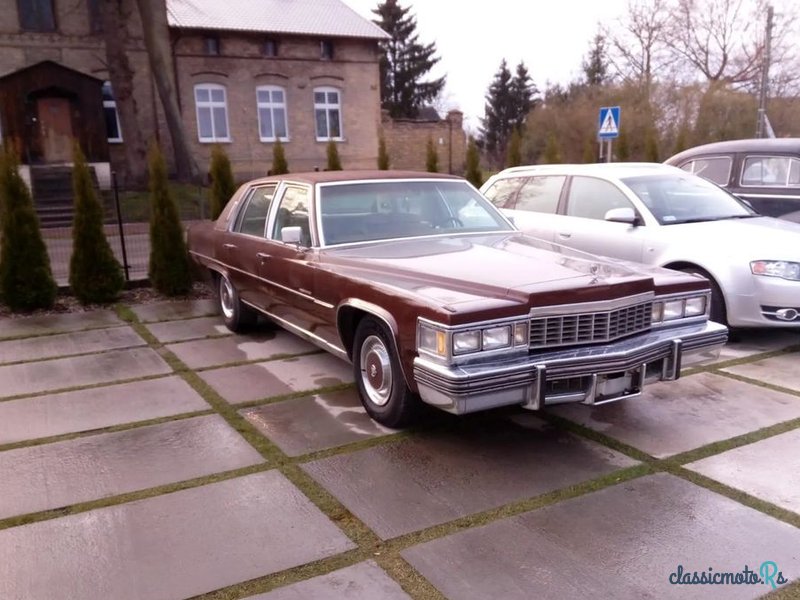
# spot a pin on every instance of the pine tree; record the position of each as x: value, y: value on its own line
x: 279, y: 164
x: 334, y: 163
x: 383, y: 155
x: 595, y: 65
x: 404, y: 62
x: 590, y: 151
x: 169, y: 261
x: 651, y: 146
x: 431, y: 157
x: 26, y: 281
x: 623, y: 153
x: 552, y: 153
x: 681, y: 139
x: 473, y: 173
x: 95, y: 275
x: 514, y: 158
x: 222, y: 184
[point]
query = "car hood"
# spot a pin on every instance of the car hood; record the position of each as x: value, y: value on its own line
x: 763, y: 237
x: 458, y: 271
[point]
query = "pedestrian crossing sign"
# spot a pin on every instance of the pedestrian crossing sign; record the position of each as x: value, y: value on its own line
x: 608, y: 126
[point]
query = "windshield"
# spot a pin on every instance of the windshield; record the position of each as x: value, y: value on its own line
x: 675, y: 199
x: 375, y: 210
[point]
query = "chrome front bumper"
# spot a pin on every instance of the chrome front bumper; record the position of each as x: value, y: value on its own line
x: 590, y: 375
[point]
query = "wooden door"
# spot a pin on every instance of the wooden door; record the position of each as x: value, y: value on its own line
x: 55, y: 129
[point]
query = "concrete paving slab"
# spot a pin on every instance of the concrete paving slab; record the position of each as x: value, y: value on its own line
x: 54, y: 475
x: 188, y: 329
x: 247, y: 383
x: 769, y: 469
x: 310, y: 424
x: 65, y: 344
x: 421, y: 482
x: 621, y: 542
x: 757, y: 341
x: 57, y: 323
x: 779, y: 370
x: 174, y: 309
x: 63, y: 373
x: 677, y: 416
x: 172, y: 546
x: 95, y: 408
x: 210, y: 353
x: 364, y: 581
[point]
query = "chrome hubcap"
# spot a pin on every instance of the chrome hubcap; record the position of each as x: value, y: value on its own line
x: 226, y: 297
x: 376, y: 370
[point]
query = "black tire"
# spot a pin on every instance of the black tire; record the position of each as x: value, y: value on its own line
x: 379, y: 377
x: 238, y: 316
x: 719, y: 313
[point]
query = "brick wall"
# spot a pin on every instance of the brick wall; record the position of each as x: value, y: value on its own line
x: 406, y: 142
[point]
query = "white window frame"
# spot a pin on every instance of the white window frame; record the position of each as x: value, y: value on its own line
x: 211, y: 104
x: 327, y: 107
x: 271, y: 106
x: 113, y: 104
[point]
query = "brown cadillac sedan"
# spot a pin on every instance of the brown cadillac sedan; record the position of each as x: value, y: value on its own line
x: 434, y: 296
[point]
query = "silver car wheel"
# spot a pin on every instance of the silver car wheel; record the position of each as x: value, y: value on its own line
x: 226, y: 296
x: 376, y: 370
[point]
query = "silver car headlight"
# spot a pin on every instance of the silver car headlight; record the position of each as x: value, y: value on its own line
x: 432, y: 339
x: 672, y: 309
x: 497, y: 337
x: 776, y: 268
x: 466, y: 341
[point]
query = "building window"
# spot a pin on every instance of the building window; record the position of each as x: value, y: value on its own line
x: 211, y: 45
x: 327, y: 114
x: 36, y: 15
x: 113, y: 129
x: 95, y: 17
x: 326, y: 49
x: 212, y: 113
x: 270, y: 48
x: 271, y: 104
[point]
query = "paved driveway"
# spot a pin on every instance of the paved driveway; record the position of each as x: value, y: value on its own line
x: 146, y: 453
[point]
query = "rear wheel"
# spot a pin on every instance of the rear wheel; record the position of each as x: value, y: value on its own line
x: 379, y: 378
x: 718, y: 312
x: 237, y: 315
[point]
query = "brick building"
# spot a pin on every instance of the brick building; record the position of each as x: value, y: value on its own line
x: 247, y: 71
x: 407, y: 139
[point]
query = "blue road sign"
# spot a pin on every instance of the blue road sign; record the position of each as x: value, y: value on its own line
x: 608, y: 123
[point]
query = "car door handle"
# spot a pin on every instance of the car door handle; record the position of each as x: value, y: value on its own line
x: 262, y: 256
x: 564, y: 235
x: 229, y: 246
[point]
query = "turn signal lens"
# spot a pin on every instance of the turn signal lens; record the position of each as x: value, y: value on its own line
x: 658, y: 312
x: 521, y: 334
x: 432, y: 340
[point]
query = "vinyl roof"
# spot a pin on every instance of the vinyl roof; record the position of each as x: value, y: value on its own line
x: 301, y: 17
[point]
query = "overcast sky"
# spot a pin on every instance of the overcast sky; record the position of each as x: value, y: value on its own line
x: 551, y: 36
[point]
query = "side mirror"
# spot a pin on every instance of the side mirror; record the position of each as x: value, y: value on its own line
x: 291, y: 235
x: 622, y: 215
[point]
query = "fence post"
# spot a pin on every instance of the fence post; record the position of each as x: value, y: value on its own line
x: 119, y: 225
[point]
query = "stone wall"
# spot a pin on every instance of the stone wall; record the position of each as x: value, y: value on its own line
x: 406, y: 142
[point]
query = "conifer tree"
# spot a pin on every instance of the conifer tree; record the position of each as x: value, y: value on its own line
x: 552, y: 153
x: 26, y: 281
x: 431, y: 157
x: 279, y: 164
x: 334, y: 162
x: 404, y: 63
x: 590, y: 151
x: 514, y: 158
x: 95, y: 275
x: 651, y: 153
x: 383, y: 155
x: 473, y: 173
x: 222, y: 184
x: 623, y: 152
x: 169, y: 261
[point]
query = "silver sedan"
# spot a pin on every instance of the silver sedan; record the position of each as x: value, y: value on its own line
x: 660, y: 215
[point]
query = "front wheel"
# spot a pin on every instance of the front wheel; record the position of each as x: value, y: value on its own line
x: 379, y: 378
x: 238, y: 316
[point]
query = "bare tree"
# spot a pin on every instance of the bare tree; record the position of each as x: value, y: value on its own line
x: 159, y: 52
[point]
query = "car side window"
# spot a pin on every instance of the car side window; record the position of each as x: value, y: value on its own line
x: 715, y: 168
x: 252, y: 218
x: 541, y: 194
x: 771, y: 171
x: 592, y: 198
x: 503, y: 191
x: 293, y: 212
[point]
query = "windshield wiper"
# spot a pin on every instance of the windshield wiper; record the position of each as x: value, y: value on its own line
x: 705, y: 219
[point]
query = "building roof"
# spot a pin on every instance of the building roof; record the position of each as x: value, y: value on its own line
x: 301, y: 17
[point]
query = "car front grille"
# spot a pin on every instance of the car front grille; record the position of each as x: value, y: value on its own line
x: 590, y: 327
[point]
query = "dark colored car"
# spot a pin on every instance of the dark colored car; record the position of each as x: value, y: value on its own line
x: 432, y: 294
x: 764, y: 172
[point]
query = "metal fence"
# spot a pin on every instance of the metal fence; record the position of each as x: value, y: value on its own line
x: 127, y: 227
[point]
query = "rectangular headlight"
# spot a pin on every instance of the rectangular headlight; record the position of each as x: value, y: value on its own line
x: 466, y: 341
x: 497, y: 337
x: 695, y: 306
x: 433, y: 340
x: 673, y: 309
